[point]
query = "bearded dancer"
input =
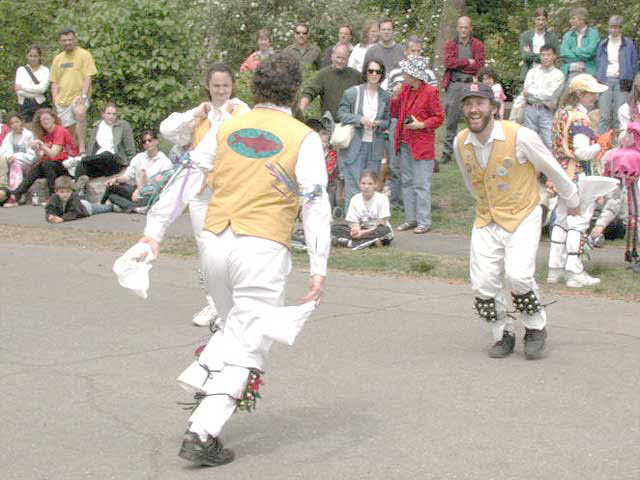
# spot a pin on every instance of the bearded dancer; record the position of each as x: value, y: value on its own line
x: 266, y: 164
x: 499, y: 161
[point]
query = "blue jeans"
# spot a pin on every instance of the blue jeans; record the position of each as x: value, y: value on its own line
x: 394, y: 165
x: 352, y: 171
x: 539, y: 119
x: 610, y: 101
x: 96, y: 208
x: 416, y: 187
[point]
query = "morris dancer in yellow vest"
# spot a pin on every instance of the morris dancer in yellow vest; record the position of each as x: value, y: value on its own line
x: 499, y: 161
x: 575, y: 147
x: 267, y: 164
x: 190, y: 129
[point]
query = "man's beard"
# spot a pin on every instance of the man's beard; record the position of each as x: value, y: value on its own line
x: 485, y: 121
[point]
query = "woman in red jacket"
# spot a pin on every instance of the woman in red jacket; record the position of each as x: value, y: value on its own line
x: 417, y: 107
x: 53, y: 145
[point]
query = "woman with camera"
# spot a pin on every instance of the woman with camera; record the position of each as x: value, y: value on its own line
x: 416, y: 105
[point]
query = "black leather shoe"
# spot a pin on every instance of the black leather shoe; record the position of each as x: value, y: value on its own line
x: 504, y: 347
x: 210, y: 453
x: 534, y: 341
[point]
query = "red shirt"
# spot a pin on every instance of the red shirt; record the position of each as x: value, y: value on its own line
x: 424, y: 104
x: 453, y: 62
x: 60, y: 136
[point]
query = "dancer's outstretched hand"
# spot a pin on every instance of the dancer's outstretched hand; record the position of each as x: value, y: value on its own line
x: 155, y: 246
x: 316, y: 289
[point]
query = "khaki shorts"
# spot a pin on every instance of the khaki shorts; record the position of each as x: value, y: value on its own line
x: 66, y: 114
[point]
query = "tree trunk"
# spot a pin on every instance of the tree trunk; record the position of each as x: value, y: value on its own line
x: 451, y: 11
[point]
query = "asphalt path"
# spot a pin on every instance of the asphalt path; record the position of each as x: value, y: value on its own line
x: 389, y: 380
x: 432, y: 242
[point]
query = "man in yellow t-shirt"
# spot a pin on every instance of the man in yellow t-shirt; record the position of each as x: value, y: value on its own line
x: 71, y: 73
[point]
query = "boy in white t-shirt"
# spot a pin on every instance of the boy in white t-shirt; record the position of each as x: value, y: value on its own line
x: 367, y: 217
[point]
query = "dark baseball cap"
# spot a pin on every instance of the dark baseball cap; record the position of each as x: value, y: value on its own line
x: 478, y: 90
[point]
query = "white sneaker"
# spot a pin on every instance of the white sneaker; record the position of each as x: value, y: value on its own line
x: 71, y: 162
x: 582, y: 279
x: 205, y: 316
x: 556, y: 275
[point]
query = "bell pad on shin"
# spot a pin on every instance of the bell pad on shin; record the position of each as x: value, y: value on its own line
x: 487, y: 309
x: 526, y: 302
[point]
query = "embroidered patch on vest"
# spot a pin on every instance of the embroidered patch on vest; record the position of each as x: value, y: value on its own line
x: 255, y: 143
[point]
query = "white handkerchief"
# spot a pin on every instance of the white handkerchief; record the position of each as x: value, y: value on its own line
x: 133, y: 271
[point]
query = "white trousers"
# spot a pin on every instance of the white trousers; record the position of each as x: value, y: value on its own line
x: 246, y: 277
x: 197, y: 212
x: 498, y: 256
x: 566, y: 235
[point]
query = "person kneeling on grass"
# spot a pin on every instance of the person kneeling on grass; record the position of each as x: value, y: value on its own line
x: 65, y: 205
x: 367, y: 217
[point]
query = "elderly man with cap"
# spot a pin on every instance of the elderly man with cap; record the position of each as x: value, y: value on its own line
x: 575, y: 146
x: 419, y: 112
x: 499, y: 161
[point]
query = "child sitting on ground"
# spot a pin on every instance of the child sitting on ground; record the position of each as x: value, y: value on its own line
x: 65, y: 205
x: 367, y: 218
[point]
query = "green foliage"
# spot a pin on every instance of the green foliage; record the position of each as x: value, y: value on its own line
x: 23, y: 24
x: 151, y: 54
x: 238, y: 22
x: 148, y: 54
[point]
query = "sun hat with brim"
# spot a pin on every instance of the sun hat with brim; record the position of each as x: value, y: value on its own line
x: 586, y: 83
x: 478, y: 90
x: 416, y: 67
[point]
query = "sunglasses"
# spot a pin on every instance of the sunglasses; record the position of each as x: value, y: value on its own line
x: 298, y: 32
x: 147, y: 140
x: 373, y: 71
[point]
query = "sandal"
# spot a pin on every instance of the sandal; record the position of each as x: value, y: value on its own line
x: 406, y: 226
x: 421, y: 229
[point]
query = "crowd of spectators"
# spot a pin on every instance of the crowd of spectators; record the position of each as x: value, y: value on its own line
x: 384, y: 92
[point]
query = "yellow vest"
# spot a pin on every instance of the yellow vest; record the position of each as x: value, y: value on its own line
x: 203, y: 124
x: 507, y: 191
x: 202, y: 127
x: 246, y: 195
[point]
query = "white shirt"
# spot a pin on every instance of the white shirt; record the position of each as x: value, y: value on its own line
x: 310, y: 171
x: 104, y: 138
x: 30, y: 89
x: 368, y: 213
x: 580, y: 35
x: 356, y: 59
x: 543, y: 86
x: 613, y: 54
x: 151, y: 166
x: 538, y: 41
x: 179, y: 127
x: 19, y: 146
x: 624, y: 117
x: 369, y: 111
x: 529, y: 148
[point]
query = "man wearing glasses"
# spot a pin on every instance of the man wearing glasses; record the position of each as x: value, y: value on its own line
x: 302, y: 49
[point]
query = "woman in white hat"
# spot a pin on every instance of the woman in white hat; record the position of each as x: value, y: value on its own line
x: 575, y: 146
x: 416, y: 105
